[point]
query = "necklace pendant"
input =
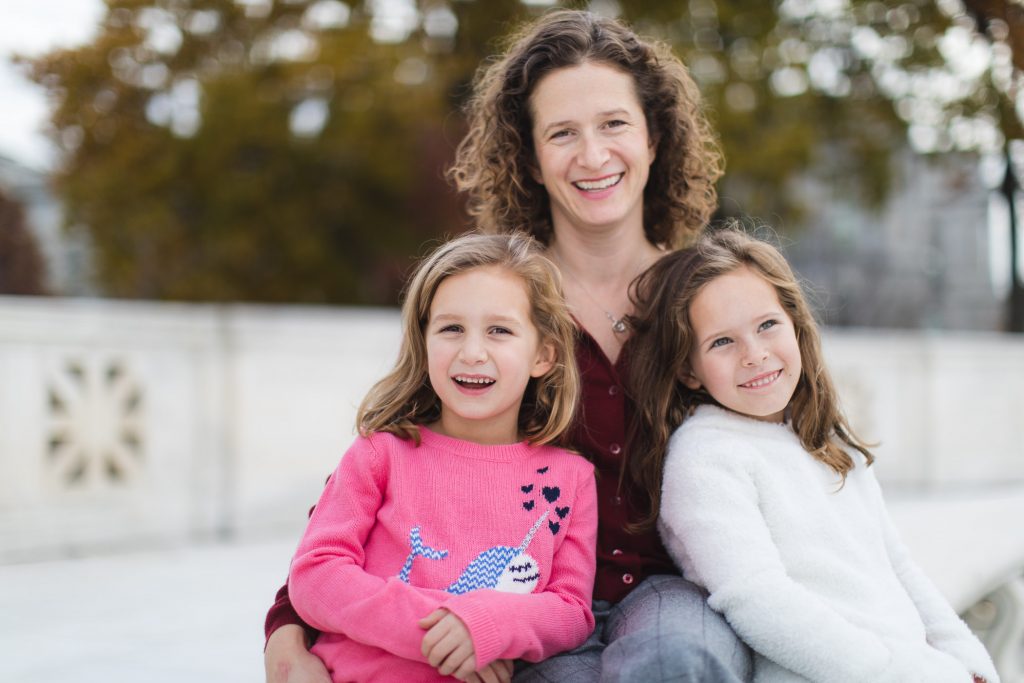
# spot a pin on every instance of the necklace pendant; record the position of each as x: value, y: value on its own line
x: 618, y: 326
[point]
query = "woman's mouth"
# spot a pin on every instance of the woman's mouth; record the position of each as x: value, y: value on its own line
x: 598, y: 185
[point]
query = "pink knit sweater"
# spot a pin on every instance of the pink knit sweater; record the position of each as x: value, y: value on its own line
x: 502, y: 536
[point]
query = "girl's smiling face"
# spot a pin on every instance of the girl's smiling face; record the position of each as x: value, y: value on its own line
x: 482, y: 351
x: 593, y: 150
x: 745, y: 351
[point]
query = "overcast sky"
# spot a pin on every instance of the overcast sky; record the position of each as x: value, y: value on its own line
x: 32, y: 27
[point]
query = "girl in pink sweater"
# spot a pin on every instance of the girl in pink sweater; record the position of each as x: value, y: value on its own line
x: 456, y: 535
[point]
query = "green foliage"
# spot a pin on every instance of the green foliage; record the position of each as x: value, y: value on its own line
x: 181, y: 159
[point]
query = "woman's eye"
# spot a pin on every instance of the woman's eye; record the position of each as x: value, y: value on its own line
x: 616, y: 123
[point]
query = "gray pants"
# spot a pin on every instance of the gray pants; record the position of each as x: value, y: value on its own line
x: 662, y: 631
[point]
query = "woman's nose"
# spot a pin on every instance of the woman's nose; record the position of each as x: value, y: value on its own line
x: 593, y: 152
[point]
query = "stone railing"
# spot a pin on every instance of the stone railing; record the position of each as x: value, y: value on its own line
x: 125, y: 423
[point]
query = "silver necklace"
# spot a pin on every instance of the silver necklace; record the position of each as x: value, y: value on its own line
x: 618, y: 324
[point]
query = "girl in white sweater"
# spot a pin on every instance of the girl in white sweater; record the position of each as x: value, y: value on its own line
x: 767, y: 498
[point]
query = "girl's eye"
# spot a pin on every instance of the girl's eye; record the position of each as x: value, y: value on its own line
x: 451, y: 328
x: 767, y: 324
x: 501, y: 330
x: 721, y: 341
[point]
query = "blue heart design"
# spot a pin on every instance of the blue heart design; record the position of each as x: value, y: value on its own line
x: 528, y: 505
x: 551, y: 493
x: 542, y: 470
x: 527, y: 488
x: 554, y: 526
x: 562, y: 512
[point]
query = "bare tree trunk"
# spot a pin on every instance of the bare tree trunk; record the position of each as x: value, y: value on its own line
x: 1015, y: 300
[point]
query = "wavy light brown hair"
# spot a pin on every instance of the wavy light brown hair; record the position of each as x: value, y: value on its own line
x: 405, y: 399
x: 494, y: 161
x: 663, y: 339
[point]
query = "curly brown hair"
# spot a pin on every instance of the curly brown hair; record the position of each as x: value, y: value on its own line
x: 494, y: 161
x: 662, y: 342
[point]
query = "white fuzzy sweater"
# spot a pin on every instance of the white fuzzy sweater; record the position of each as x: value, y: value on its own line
x: 812, y: 576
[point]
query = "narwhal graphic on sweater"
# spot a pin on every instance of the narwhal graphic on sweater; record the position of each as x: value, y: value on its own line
x: 505, y: 568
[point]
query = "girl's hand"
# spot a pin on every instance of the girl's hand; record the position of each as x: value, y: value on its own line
x: 288, y: 660
x: 447, y: 645
x: 498, y: 671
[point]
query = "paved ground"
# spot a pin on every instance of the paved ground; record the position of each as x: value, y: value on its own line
x: 187, y: 615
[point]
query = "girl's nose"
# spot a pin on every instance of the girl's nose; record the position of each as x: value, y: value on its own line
x: 473, y: 350
x: 755, y: 355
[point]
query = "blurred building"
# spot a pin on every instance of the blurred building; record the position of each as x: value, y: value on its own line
x: 920, y: 261
x: 66, y: 253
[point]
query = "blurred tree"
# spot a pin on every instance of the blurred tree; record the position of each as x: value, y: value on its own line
x: 21, y: 265
x: 1003, y: 22
x: 294, y: 150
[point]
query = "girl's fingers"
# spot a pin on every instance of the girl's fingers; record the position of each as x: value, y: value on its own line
x: 432, y: 618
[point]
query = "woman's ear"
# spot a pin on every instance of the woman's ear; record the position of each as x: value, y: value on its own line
x: 545, y: 360
x: 535, y: 172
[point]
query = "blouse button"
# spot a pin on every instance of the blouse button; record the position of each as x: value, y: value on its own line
x: 615, y: 449
x: 613, y: 389
x: 616, y: 500
x: 627, y: 579
x: 616, y: 552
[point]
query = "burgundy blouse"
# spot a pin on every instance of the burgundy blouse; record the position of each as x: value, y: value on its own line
x: 624, y: 559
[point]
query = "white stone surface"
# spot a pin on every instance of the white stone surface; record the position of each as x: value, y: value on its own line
x: 183, y: 614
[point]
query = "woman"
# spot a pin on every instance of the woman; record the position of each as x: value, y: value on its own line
x: 594, y: 140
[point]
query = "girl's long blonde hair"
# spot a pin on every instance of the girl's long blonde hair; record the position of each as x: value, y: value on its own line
x: 663, y: 339
x: 405, y: 399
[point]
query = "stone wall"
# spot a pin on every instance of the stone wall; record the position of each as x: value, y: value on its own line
x: 126, y: 424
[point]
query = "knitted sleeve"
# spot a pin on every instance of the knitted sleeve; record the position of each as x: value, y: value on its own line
x: 537, y: 625
x: 711, y: 523
x: 327, y: 584
x: 944, y: 628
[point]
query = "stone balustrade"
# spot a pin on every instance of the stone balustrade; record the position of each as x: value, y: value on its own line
x: 129, y: 423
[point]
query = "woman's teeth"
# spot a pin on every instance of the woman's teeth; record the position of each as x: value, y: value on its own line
x: 602, y: 184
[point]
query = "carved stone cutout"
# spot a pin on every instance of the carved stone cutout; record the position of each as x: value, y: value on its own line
x: 95, y: 435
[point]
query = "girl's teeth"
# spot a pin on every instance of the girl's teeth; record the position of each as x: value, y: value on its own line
x: 598, y: 184
x: 474, y: 380
x: 763, y: 381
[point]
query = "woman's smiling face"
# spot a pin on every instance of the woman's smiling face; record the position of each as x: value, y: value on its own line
x: 593, y: 150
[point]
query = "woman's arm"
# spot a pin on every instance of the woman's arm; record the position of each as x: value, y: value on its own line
x: 286, y: 655
x: 287, y: 658
x: 282, y: 613
x: 712, y: 524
